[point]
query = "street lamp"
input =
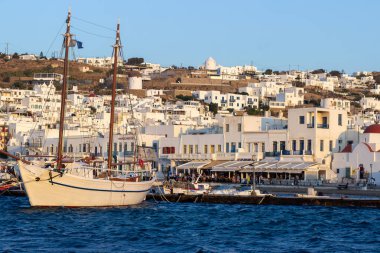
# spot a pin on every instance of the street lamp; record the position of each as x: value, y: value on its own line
x: 370, y: 174
x: 253, y: 169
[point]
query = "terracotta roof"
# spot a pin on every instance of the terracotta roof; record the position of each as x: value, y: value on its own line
x: 347, y: 149
x: 372, y: 129
x: 369, y: 147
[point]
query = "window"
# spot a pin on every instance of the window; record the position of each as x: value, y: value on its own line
x: 275, y: 146
x: 196, y: 149
x: 330, y: 146
x: 191, y: 149
x: 184, y: 149
x: 205, y: 149
x: 308, y: 145
x: 239, y: 145
x: 263, y: 147
x: 212, y: 149
x: 239, y: 127
x: 227, y: 127
x: 294, y: 145
x: 219, y: 148
x: 302, y: 145
x: 282, y: 145
x: 227, y: 147
x: 233, y: 147
x: 340, y: 120
x: 337, y: 171
x: 321, y: 145
x: 302, y: 120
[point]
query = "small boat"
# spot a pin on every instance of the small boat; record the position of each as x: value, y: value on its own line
x: 193, y: 188
x: 239, y: 191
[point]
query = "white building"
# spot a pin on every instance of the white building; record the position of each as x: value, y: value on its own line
x: 104, y: 62
x: 370, y: 103
x: 336, y: 103
x: 318, y: 132
x: 360, y: 162
x: 291, y: 96
x: 229, y: 100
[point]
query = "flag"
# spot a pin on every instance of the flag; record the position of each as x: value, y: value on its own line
x: 141, y: 163
x: 79, y: 44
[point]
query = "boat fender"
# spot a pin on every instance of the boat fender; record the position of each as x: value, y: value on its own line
x: 37, y: 179
x: 51, y: 177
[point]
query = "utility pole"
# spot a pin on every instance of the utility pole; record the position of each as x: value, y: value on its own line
x: 6, y: 48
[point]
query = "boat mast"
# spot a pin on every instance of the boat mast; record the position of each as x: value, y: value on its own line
x: 64, y: 88
x: 116, y: 49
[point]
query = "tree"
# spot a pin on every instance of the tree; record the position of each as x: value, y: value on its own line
x: 213, y: 107
x: 253, y: 111
x: 184, y: 98
x: 19, y: 85
x: 335, y: 73
x: 268, y: 72
x: 15, y: 56
x: 93, y: 110
x: 135, y: 61
x: 42, y: 55
x: 318, y: 71
x: 28, y: 72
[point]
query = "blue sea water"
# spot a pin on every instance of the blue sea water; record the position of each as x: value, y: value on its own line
x: 187, y: 227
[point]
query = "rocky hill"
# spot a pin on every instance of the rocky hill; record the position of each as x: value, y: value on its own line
x: 17, y: 70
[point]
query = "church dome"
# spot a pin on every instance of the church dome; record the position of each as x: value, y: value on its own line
x: 210, y: 64
x: 372, y: 129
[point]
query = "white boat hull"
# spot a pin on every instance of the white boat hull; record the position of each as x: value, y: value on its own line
x: 75, y: 191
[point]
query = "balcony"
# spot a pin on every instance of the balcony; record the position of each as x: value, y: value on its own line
x: 296, y: 152
x: 325, y: 126
x: 272, y: 154
x: 187, y: 156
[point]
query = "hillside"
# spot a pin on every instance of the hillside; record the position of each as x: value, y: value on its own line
x: 21, y: 70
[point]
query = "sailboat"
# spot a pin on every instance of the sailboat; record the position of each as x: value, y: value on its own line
x: 78, y: 184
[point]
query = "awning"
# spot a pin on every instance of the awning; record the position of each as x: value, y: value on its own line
x: 192, y: 165
x: 230, y: 166
x: 212, y: 164
x: 280, y: 167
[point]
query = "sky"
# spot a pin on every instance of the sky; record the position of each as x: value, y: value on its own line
x: 276, y: 34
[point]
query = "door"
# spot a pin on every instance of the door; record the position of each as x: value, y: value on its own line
x: 348, y: 172
x: 324, y: 122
